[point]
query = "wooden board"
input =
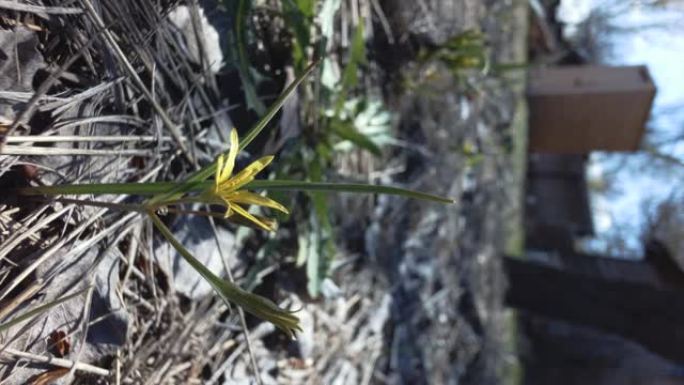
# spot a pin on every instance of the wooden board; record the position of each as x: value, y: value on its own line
x: 579, y: 109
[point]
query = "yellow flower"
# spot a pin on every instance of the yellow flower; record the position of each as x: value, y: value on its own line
x: 227, y: 191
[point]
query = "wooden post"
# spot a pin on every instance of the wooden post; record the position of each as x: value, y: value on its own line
x: 636, y: 310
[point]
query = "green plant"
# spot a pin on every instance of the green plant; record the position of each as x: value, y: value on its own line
x: 338, y: 117
x: 237, y: 54
x: 231, y: 191
x: 461, y: 53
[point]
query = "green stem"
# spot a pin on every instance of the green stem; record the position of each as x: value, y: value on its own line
x: 98, y: 189
x: 229, y: 292
x: 109, y: 205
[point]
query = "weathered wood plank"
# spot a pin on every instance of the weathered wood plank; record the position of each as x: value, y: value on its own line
x: 651, y: 316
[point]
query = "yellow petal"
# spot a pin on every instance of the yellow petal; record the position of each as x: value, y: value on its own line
x: 248, y: 198
x: 239, y: 210
x: 232, y: 153
x: 225, y: 165
x: 229, y: 210
x: 242, y: 221
x: 246, y: 175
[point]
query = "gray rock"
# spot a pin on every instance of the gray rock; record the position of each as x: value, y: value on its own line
x: 433, y: 21
x: 111, y: 330
x: 19, y: 61
x: 71, y: 272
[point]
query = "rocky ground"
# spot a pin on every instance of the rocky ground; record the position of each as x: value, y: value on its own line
x: 415, y: 291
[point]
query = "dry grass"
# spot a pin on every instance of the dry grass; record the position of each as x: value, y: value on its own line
x: 123, y: 103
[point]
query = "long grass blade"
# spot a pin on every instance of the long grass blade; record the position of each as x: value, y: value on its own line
x: 348, y: 133
x: 38, y: 310
x: 98, y: 189
x: 275, y: 107
x: 292, y: 185
x: 269, y: 185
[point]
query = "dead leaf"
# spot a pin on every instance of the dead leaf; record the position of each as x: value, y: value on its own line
x: 59, y: 343
x: 49, y: 377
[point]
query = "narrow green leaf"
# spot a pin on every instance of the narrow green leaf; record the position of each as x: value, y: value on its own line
x: 272, y: 185
x: 99, y: 189
x: 298, y: 16
x: 345, y: 131
x: 322, y: 248
x: 38, y: 310
x: 350, y: 74
x: 275, y: 107
x: 357, y: 55
x: 253, y: 101
x: 229, y: 292
x: 293, y: 185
